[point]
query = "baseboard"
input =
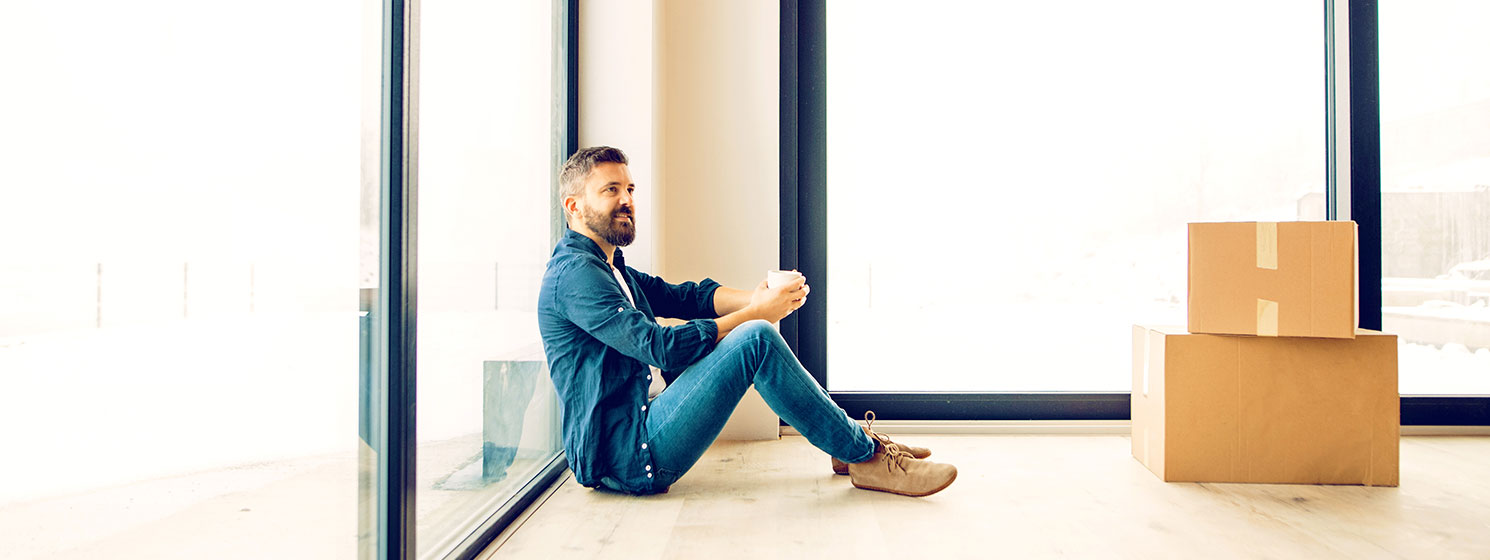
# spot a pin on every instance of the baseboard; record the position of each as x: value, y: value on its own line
x: 1077, y: 428
x: 1446, y: 430
x: 996, y: 427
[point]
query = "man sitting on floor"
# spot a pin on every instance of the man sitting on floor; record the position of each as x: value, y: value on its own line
x: 598, y: 320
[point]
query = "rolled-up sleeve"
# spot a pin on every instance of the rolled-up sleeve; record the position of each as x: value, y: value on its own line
x: 590, y: 298
x: 689, y: 300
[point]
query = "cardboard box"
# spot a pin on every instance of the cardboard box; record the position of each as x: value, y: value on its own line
x: 1273, y: 279
x: 1217, y: 408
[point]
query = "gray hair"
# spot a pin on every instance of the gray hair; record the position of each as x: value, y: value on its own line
x: 577, y: 168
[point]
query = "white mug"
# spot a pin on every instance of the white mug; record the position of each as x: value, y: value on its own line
x: 776, y: 278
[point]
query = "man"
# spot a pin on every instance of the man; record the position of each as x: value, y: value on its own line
x: 598, y: 320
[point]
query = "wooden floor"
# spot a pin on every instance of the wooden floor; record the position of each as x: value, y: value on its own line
x: 1016, y: 497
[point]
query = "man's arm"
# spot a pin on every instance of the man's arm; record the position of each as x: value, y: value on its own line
x: 767, y: 304
x: 729, y: 300
x: 587, y: 295
x: 689, y: 300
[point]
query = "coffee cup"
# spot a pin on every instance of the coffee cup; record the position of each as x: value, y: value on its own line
x: 776, y: 278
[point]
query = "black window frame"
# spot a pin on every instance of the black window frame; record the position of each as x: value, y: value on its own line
x: 804, y: 247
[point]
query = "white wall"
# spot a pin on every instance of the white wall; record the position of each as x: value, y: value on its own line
x: 720, y: 71
x: 617, y: 99
x: 690, y: 91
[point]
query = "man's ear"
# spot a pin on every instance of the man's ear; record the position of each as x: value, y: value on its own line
x: 571, y: 206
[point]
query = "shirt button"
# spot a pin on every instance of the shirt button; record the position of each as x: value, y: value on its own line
x: 644, y: 408
x: 644, y: 446
x: 649, y: 467
x: 620, y: 309
x: 649, y: 475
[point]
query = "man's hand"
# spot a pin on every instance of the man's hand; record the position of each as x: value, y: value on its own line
x: 774, y: 304
x: 769, y: 304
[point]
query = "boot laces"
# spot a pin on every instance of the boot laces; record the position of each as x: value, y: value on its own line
x: 895, y: 457
x: 869, y: 427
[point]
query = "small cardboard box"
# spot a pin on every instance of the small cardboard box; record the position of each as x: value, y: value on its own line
x: 1216, y: 408
x: 1273, y: 278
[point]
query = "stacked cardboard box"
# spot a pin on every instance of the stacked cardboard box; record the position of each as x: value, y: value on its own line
x: 1272, y: 382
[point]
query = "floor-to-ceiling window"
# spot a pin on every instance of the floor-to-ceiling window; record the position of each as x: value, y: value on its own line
x: 1008, y: 183
x: 179, y: 287
x: 195, y: 308
x: 487, y: 413
x: 1062, y: 182
x: 1435, y: 183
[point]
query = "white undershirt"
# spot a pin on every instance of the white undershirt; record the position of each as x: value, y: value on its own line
x: 622, y: 281
x: 657, y: 384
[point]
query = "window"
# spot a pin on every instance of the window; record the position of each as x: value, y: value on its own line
x: 201, y: 297
x: 180, y: 287
x: 1008, y: 183
x: 1435, y: 138
x: 487, y: 414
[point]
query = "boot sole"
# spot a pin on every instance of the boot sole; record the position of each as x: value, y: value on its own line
x: 938, y: 489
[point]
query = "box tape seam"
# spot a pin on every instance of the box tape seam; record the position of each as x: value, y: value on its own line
x: 1267, y: 245
x: 1267, y: 317
x: 1267, y: 259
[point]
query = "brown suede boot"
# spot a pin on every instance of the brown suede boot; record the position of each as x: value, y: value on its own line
x: 895, y: 471
x: 840, y: 467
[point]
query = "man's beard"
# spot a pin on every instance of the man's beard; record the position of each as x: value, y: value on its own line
x: 618, y: 234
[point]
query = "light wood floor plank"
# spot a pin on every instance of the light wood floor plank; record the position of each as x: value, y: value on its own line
x: 1019, y: 497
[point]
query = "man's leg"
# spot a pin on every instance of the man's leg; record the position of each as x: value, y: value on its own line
x: 684, y: 420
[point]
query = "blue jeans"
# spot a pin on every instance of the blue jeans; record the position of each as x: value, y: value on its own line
x: 684, y: 420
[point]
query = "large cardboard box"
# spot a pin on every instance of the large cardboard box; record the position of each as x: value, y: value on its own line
x: 1273, y: 278
x: 1218, y: 408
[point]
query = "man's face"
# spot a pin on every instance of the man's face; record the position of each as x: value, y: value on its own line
x: 607, y: 207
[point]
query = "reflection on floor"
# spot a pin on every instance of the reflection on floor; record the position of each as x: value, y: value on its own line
x: 301, y: 508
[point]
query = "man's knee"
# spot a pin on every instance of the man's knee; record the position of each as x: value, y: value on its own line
x: 757, y: 328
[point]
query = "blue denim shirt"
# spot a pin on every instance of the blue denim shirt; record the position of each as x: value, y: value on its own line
x: 599, y: 346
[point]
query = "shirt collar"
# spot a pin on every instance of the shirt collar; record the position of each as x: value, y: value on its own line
x: 577, y: 241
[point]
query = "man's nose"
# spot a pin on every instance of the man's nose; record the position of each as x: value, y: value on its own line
x: 628, y: 199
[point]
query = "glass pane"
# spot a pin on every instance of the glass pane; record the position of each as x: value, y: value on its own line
x: 1435, y: 182
x: 1009, y: 182
x: 488, y: 417
x: 179, y: 349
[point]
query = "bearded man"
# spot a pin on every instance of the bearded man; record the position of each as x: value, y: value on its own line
x: 598, y: 318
